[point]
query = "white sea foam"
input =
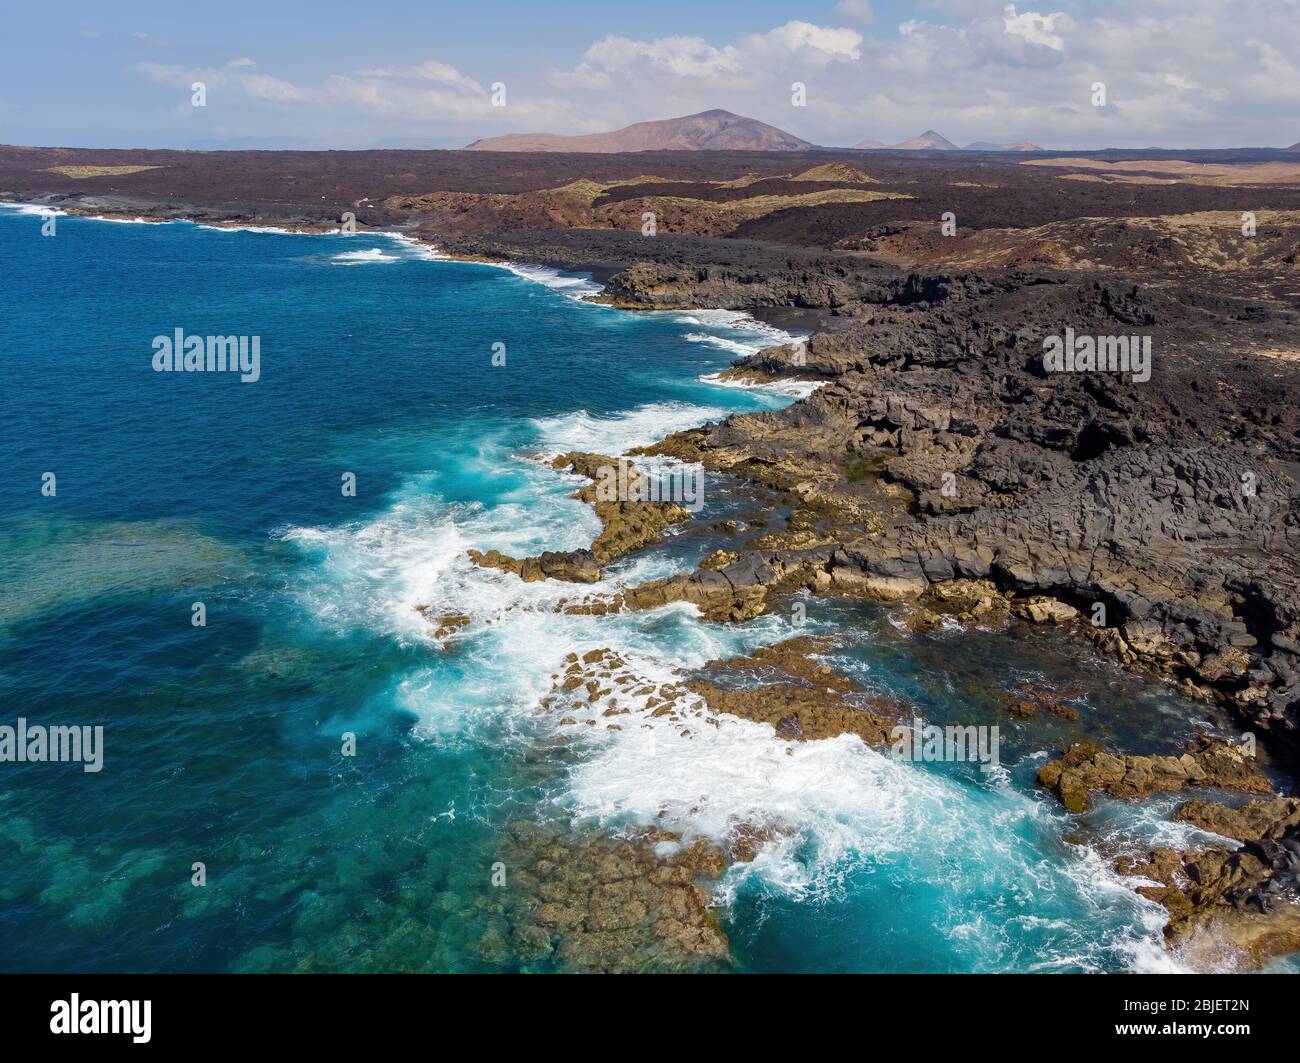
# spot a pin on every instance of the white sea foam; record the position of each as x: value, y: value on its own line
x: 418, y: 248
x: 575, y: 285
x: 722, y: 342
x: 361, y: 258
x: 273, y: 230
x: 374, y: 573
x: 834, y: 807
x: 1140, y: 826
x: 34, y: 208
x: 745, y: 330
x: 46, y: 211
x: 618, y: 433
x: 797, y: 389
x: 130, y: 221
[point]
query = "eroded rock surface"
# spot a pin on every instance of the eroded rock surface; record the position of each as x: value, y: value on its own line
x: 608, y: 904
x: 1084, y: 769
x: 627, y: 523
x: 801, y: 697
x: 1230, y: 908
x: 445, y: 624
x: 1163, y: 515
x: 1252, y: 822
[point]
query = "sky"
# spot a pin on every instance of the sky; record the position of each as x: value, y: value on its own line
x: 1177, y: 73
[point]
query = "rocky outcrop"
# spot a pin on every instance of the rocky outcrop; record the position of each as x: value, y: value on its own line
x: 1230, y: 908
x: 976, y: 602
x: 786, y: 685
x: 445, y: 624
x: 1162, y: 514
x: 572, y: 566
x: 1084, y: 769
x: 808, y: 701
x: 818, y: 283
x: 606, y: 904
x: 739, y: 590
x: 621, y: 495
x: 1157, y: 519
x: 1252, y: 822
x: 1030, y: 699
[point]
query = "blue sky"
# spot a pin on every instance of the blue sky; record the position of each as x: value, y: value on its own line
x: 329, y: 74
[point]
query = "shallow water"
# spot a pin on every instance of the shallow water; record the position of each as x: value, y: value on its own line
x: 223, y: 743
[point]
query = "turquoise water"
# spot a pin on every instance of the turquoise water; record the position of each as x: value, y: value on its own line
x: 223, y: 742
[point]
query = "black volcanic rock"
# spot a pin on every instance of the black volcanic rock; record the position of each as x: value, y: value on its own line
x: 1166, y: 511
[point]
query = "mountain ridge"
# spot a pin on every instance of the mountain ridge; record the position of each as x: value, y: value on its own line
x: 932, y: 141
x: 987, y: 145
x: 713, y: 130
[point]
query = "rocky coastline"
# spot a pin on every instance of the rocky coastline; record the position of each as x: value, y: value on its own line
x: 941, y: 465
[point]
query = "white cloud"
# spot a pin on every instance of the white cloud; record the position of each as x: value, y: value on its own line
x: 442, y: 73
x: 265, y: 87
x: 680, y: 57
x: 803, y: 40
x: 1178, y: 72
x: 674, y: 62
x: 254, y: 85
x: 1035, y: 28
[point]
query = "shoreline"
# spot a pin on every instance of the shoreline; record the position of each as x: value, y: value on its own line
x: 146, y: 211
x: 705, y: 430
x: 757, y: 369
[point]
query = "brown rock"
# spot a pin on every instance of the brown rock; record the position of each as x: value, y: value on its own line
x: 1042, y: 610
x: 1251, y: 822
x: 601, y: 903
x: 444, y: 624
x: 811, y: 702
x: 1084, y: 769
x: 627, y: 523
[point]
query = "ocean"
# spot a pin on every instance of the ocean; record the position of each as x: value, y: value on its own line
x: 223, y: 742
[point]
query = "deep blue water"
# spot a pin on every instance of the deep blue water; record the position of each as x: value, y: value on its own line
x: 222, y: 743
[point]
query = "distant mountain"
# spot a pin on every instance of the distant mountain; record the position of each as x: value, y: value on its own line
x: 1293, y: 147
x: 707, y: 131
x: 986, y: 145
x: 927, y: 141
